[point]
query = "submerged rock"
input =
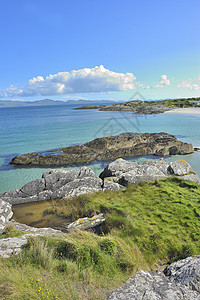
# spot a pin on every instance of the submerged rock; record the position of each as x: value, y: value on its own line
x: 182, y: 282
x: 108, y: 148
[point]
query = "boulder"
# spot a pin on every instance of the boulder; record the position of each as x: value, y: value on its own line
x: 125, y: 173
x: 185, y: 272
x: 13, y: 246
x: 56, y: 184
x: 180, y: 168
x: 86, y: 223
x: 182, y: 281
x: 152, y: 286
x: 5, y: 215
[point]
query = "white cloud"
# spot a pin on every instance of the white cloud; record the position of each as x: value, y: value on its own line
x: 97, y: 79
x: 191, y: 84
x: 163, y: 82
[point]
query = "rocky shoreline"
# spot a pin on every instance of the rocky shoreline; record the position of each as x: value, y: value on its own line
x: 107, y: 148
x: 147, y: 107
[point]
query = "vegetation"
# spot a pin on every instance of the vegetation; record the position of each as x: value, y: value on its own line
x: 146, y: 225
x: 169, y: 103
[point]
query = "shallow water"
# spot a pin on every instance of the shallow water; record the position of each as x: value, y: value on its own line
x: 34, y: 214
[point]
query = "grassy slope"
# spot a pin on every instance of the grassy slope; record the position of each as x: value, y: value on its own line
x: 146, y: 225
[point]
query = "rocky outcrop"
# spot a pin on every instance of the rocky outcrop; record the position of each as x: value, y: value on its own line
x: 182, y: 282
x: 186, y: 272
x: 108, y: 148
x: 59, y: 184
x: 56, y: 184
x: 147, y: 107
x: 5, y: 214
x: 13, y: 246
x: 124, y: 172
x: 86, y: 223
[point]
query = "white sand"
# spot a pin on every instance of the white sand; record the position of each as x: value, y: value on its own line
x: 190, y: 111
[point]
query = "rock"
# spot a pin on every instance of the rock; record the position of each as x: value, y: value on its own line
x: 191, y: 177
x: 86, y: 223
x: 108, y: 148
x: 111, y: 186
x: 126, y: 173
x: 180, y: 168
x: 182, y: 281
x: 152, y: 286
x: 185, y: 272
x: 5, y: 215
x: 142, y: 173
x: 118, y: 167
x: 74, y: 188
x: 56, y: 184
x: 12, y: 246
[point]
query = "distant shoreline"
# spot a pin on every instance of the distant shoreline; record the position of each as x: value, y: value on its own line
x: 189, y: 111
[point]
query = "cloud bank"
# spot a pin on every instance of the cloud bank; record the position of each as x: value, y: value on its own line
x: 191, y: 84
x: 87, y: 80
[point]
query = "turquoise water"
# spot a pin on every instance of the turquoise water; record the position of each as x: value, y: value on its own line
x: 29, y: 129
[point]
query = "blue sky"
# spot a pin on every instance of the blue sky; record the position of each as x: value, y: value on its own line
x: 156, y: 42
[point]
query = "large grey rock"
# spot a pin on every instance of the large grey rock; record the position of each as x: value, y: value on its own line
x: 186, y: 272
x: 191, y: 177
x: 182, y: 281
x: 180, y: 167
x: 56, y: 184
x: 5, y: 214
x: 78, y: 187
x: 86, y: 223
x: 152, y: 286
x: 142, y: 173
x: 118, y: 167
x: 13, y: 246
x: 132, y: 173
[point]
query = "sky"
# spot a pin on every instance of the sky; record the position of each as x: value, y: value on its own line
x: 113, y: 49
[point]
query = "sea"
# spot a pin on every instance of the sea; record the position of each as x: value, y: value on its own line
x: 41, y: 128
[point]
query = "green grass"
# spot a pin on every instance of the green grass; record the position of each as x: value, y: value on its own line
x: 146, y: 225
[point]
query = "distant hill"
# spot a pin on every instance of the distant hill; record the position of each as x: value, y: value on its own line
x: 17, y: 103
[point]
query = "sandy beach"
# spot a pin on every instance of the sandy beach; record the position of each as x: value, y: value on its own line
x: 190, y: 111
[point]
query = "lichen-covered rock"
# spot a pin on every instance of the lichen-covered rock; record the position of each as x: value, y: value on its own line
x: 126, y: 173
x: 13, y: 246
x: 86, y: 223
x: 152, y: 286
x: 180, y: 168
x: 185, y: 272
x: 5, y: 214
x: 56, y: 184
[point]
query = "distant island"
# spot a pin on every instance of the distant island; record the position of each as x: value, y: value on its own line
x: 148, y: 107
x: 17, y: 103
